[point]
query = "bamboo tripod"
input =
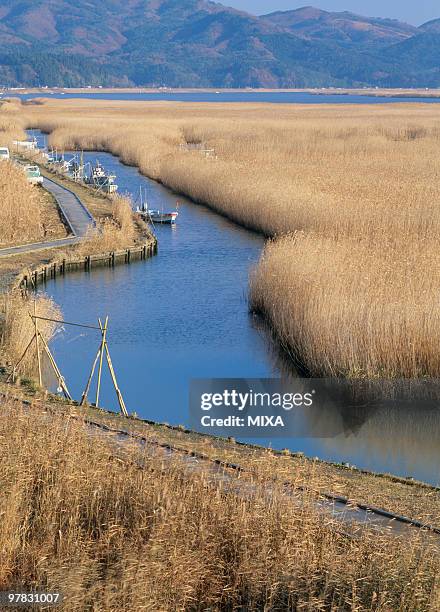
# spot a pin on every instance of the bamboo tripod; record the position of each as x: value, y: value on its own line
x: 37, y: 340
x: 103, y: 350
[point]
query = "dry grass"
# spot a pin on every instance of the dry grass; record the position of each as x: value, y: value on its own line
x: 354, y: 307
x: 20, y: 215
x: 17, y: 327
x: 356, y: 294
x: 116, y: 232
x: 27, y: 212
x: 11, y: 125
x: 122, y: 529
x: 405, y: 497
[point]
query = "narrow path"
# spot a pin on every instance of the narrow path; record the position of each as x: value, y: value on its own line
x: 77, y: 217
x: 348, y: 512
x: 351, y: 514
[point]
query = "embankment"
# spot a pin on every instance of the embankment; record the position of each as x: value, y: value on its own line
x: 114, y: 237
x: 112, y: 519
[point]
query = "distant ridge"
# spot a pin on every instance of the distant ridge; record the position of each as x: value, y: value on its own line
x: 197, y: 43
x: 346, y: 28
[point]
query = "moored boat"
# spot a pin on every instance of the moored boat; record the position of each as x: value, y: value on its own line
x: 157, y: 216
x: 99, y: 179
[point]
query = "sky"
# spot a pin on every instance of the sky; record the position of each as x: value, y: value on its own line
x: 406, y: 10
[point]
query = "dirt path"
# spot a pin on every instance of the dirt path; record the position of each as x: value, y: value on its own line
x: 77, y: 217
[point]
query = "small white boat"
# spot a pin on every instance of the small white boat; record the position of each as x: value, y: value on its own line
x: 100, y: 180
x: 29, y: 145
x: 4, y: 154
x: 156, y: 216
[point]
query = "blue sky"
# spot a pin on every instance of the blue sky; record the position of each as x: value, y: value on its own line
x: 415, y: 12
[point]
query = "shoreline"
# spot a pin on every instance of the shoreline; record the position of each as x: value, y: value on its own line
x: 293, y: 355
x: 81, y: 264
x: 31, y: 275
x: 322, y: 91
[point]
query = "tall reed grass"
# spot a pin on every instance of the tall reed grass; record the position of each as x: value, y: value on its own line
x: 357, y: 294
x: 121, y: 528
x: 17, y: 327
x: 117, y: 231
x: 11, y: 124
x: 20, y: 214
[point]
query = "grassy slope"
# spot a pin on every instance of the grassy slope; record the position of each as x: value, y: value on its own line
x: 129, y: 530
x: 410, y: 498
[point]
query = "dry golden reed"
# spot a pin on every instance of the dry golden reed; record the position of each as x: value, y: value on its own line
x: 11, y: 124
x: 17, y: 327
x: 356, y: 295
x: 114, y: 233
x: 115, y: 527
x: 20, y: 215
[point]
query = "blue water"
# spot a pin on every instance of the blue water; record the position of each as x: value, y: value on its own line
x: 244, y: 96
x: 184, y: 314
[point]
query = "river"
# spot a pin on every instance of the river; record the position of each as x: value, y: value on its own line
x: 271, y: 97
x: 184, y: 314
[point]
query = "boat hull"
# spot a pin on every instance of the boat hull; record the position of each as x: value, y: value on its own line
x: 159, y: 217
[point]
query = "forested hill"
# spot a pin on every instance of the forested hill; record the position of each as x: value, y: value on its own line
x: 196, y: 43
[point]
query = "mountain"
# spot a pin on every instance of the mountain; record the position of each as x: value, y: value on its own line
x: 344, y: 28
x: 431, y: 26
x: 197, y: 43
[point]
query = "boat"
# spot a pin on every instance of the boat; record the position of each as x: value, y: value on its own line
x: 57, y: 161
x: 156, y: 216
x: 100, y: 180
x: 77, y: 168
x: 29, y: 145
x: 4, y: 154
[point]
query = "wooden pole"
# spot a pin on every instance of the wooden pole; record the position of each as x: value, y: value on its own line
x: 89, y: 382
x: 56, y: 369
x: 20, y: 360
x: 115, y: 384
x: 37, y: 344
x: 101, y: 357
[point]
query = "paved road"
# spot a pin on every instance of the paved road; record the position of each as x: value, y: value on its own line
x: 77, y: 216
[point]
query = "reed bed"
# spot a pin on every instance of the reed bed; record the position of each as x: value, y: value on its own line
x: 384, y: 322
x: 355, y: 295
x: 17, y: 328
x: 20, y: 214
x: 115, y: 527
x: 116, y: 231
x: 11, y: 124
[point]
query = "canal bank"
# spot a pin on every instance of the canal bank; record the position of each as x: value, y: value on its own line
x: 23, y: 267
x: 355, y: 497
x: 398, y: 490
x: 185, y: 315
